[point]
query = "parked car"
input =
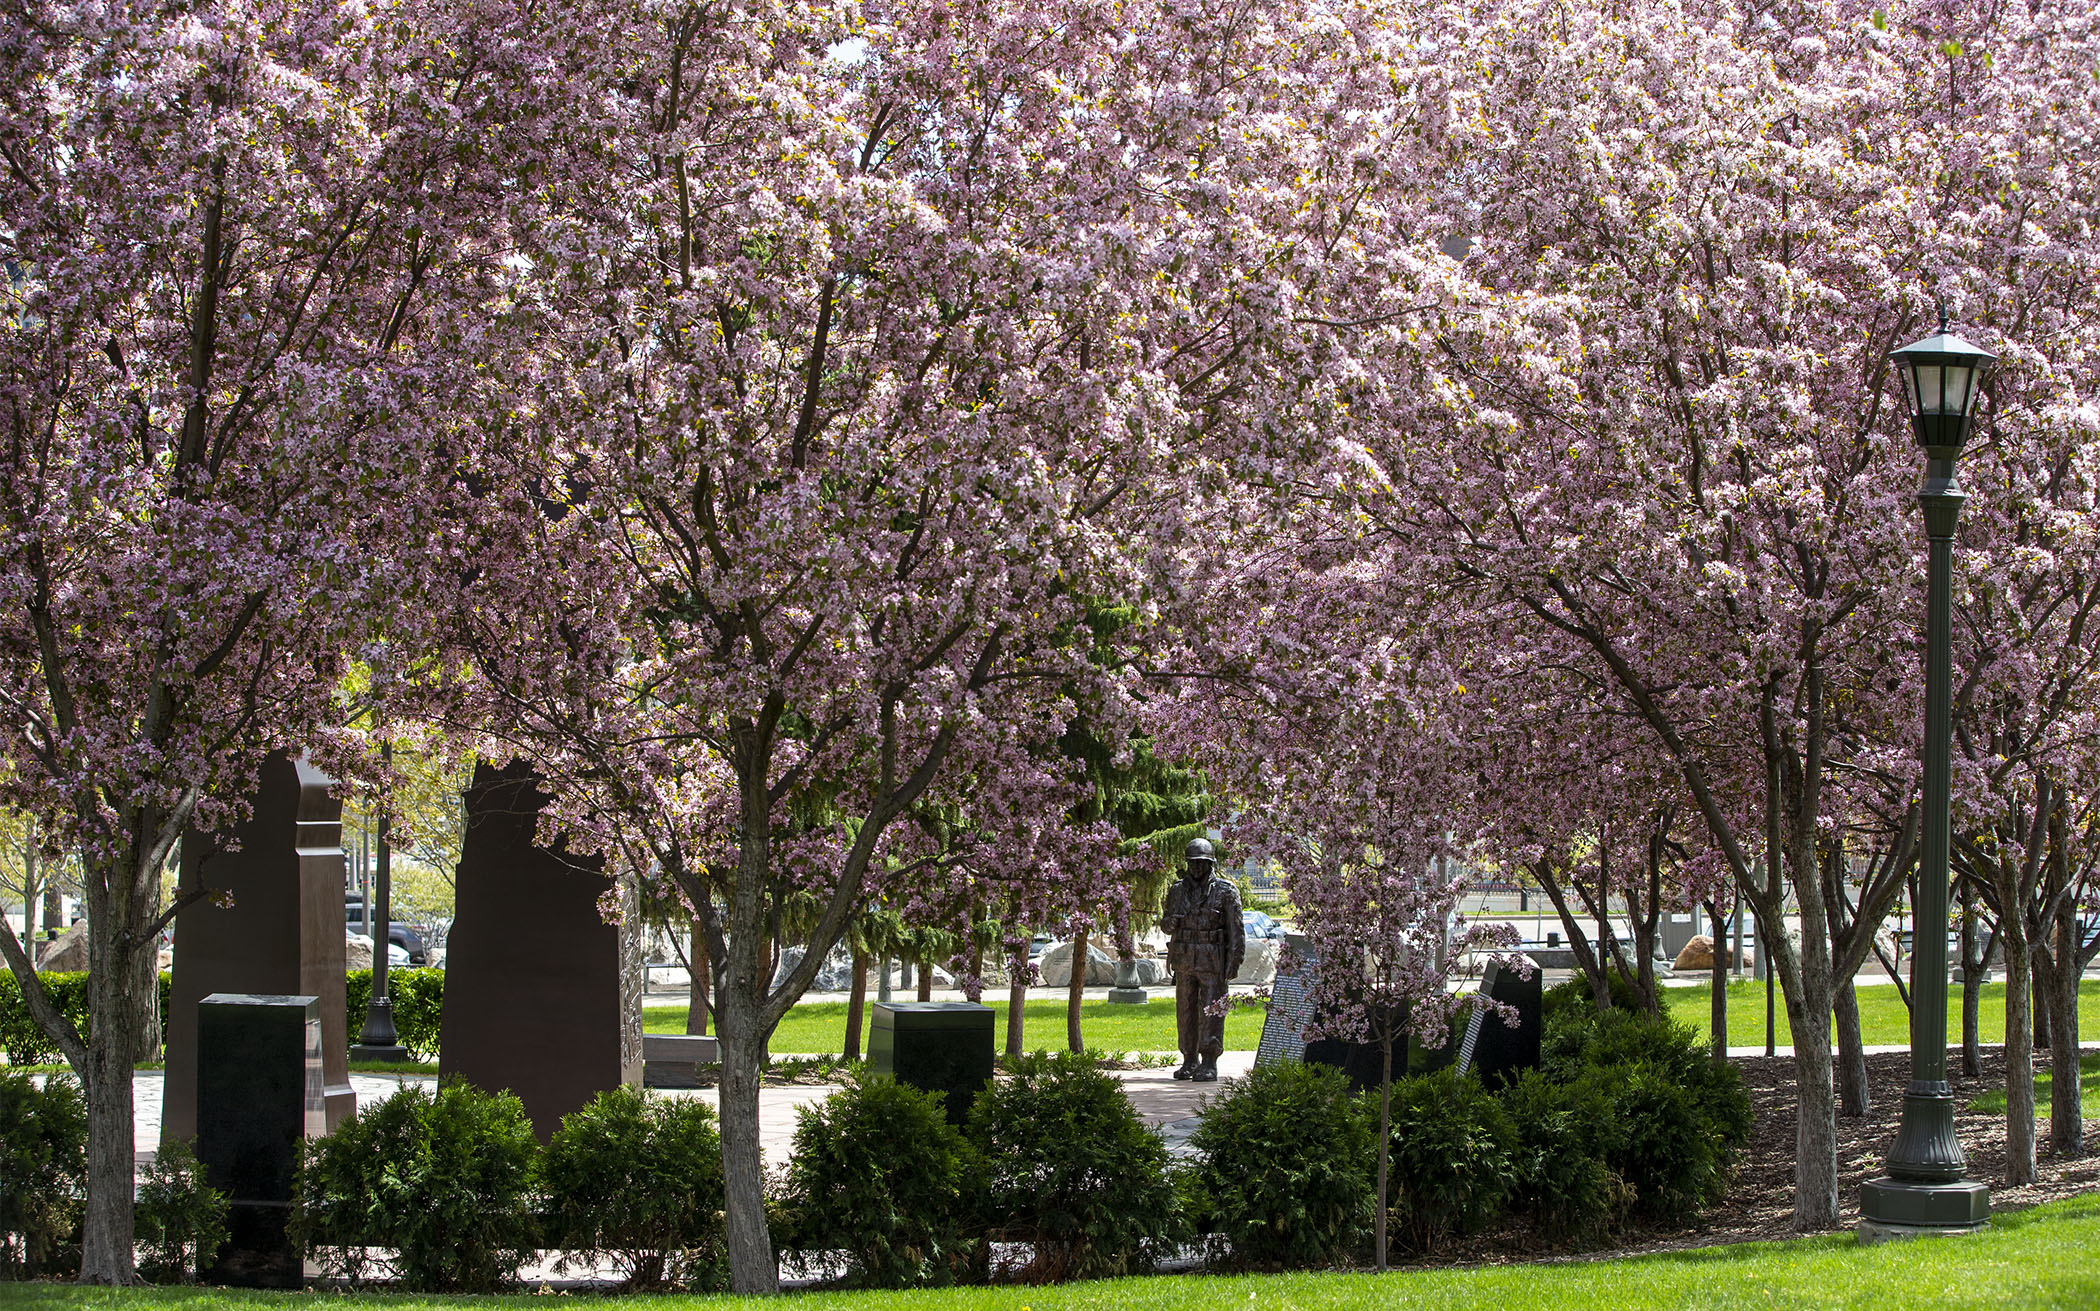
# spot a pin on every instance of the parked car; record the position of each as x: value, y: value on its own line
x: 1260, y: 925
x: 398, y: 934
x: 396, y: 957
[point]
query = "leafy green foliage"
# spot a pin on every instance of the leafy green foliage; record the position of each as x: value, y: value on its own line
x: 181, y: 1219
x: 447, y: 1181
x: 43, y: 1175
x: 1452, y: 1166
x: 639, y: 1181
x: 1562, y: 1136
x: 1680, y: 1118
x: 880, y: 1174
x: 1071, y: 1170
x: 1285, y: 1168
x: 1571, y: 1001
x: 23, y: 1038
x: 418, y: 999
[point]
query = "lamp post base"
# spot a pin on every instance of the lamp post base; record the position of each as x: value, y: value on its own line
x: 381, y: 1055
x: 1898, y: 1208
x: 1127, y: 996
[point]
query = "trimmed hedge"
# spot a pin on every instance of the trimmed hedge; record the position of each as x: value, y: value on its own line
x: 20, y: 1034
x: 418, y: 997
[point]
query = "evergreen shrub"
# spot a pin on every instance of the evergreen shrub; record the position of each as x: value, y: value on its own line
x: 1563, y: 1135
x: 1284, y: 1175
x: 449, y: 1182
x: 43, y: 1175
x: 1452, y: 1167
x: 180, y: 1219
x: 1072, y: 1171
x: 880, y: 1175
x: 638, y: 1181
x: 1680, y: 1119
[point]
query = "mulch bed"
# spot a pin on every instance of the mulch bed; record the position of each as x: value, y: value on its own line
x: 1760, y: 1199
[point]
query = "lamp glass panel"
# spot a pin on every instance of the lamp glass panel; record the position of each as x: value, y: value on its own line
x: 1928, y: 389
x: 1910, y: 384
x: 1958, y: 377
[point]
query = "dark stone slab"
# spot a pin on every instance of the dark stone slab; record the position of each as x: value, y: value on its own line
x: 938, y: 1046
x: 258, y: 1096
x: 281, y: 932
x: 1492, y: 1048
x: 535, y: 1000
x: 1479, y: 1041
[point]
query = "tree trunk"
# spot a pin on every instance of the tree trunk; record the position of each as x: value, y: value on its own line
x: 697, y: 1007
x: 925, y: 980
x: 106, y: 1252
x: 1016, y: 1000
x: 1075, y: 993
x: 2019, y: 1054
x: 1385, y: 1135
x: 856, y: 1002
x: 1971, y: 985
x: 753, y: 1267
x: 1808, y: 1007
x: 1854, y: 1100
x: 2040, y: 990
x: 1719, y: 1001
x: 973, y: 975
x: 2066, y: 1125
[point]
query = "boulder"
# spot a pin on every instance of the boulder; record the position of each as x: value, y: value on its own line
x: 67, y: 953
x: 1259, y: 964
x: 357, y: 952
x: 1151, y: 971
x: 1056, y: 966
x: 834, y: 975
x: 1698, y: 954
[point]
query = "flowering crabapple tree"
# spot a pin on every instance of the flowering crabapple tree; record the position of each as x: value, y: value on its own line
x: 236, y: 237
x: 1646, y: 409
x: 847, y: 355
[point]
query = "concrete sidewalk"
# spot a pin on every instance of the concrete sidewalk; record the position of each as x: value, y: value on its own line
x: 1159, y: 1098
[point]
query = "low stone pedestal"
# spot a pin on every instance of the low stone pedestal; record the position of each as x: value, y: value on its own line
x: 1127, y: 992
x: 1897, y: 1208
x: 259, y: 1096
x: 938, y: 1046
x: 673, y: 1060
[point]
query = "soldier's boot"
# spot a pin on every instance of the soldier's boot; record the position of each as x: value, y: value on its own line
x: 1188, y: 1068
x: 1206, y: 1072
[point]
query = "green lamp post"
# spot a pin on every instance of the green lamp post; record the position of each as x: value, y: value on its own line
x: 1925, y: 1190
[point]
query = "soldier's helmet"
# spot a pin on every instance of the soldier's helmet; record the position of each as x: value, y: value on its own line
x: 1200, y: 849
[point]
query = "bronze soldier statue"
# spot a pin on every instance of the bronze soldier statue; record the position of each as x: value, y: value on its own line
x: 1206, y: 940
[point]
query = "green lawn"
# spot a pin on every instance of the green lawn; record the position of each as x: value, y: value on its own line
x: 821, y: 1026
x: 1993, y: 1101
x: 1883, y: 1019
x: 2039, y: 1258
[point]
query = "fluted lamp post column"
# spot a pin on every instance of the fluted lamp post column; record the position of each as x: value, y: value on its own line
x: 380, y: 1041
x: 1925, y: 1190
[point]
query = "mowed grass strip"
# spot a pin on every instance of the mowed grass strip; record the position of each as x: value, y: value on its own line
x: 1883, y: 1018
x: 820, y: 1027
x: 2038, y: 1258
x: 817, y: 1027
x: 1993, y: 1102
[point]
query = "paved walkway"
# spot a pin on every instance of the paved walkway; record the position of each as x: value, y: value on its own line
x: 1162, y: 1102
